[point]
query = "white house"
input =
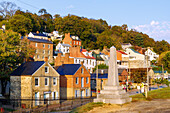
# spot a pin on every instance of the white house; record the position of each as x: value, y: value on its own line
x: 152, y: 55
x: 90, y: 61
x: 64, y: 48
x: 125, y: 45
x: 38, y: 35
x: 136, y: 59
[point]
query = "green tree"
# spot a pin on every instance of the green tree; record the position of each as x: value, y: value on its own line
x: 139, y: 76
x: 166, y: 61
x: 20, y: 24
x: 11, y: 55
x: 139, y: 40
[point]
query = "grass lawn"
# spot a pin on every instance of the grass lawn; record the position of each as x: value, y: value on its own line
x: 163, y: 93
x: 87, y: 107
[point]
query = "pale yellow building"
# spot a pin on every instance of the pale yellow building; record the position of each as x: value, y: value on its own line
x: 35, y: 83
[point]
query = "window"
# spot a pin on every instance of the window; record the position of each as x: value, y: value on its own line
x: 43, y: 45
x: 36, y: 82
x: 46, y: 81
x: 46, y: 69
x: 77, y: 80
x: 79, y: 43
x: 48, y: 57
x: 87, y: 91
x: 70, y: 42
x: 54, y: 95
x: 74, y: 42
x: 37, y: 56
x: 43, y: 51
x: 36, y: 51
x: 42, y: 57
x: 35, y: 44
x: 82, y: 70
x: 48, y: 46
x: 87, y: 80
x: 54, y: 81
x: 76, y: 94
x: 48, y: 52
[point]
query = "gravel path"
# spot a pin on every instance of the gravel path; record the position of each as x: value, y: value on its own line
x: 154, y: 106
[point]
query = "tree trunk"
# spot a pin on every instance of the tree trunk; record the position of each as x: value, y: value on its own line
x: 3, y: 86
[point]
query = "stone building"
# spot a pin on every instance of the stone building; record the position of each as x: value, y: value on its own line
x: 35, y: 81
x: 74, y: 81
x: 43, y: 48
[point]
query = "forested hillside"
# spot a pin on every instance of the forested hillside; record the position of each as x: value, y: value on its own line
x: 93, y: 33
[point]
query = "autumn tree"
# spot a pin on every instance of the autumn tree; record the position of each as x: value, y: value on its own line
x: 12, y: 53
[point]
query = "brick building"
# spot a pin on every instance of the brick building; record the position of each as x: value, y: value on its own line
x: 74, y: 81
x: 73, y: 41
x: 35, y: 81
x: 43, y: 48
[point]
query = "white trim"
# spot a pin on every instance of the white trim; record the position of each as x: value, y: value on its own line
x: 47, y: 69
x: 38, y: 69
x: 47, y: 81
x: 38, y: 82
x: 77, y: 80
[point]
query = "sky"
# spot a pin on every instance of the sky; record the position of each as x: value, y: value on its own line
x: 148, y: 16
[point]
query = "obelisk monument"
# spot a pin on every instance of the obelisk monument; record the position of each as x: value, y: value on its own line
x: 112, y: 92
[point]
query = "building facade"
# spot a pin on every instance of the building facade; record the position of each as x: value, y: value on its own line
x: 35, y: 83
x: 74, y: 81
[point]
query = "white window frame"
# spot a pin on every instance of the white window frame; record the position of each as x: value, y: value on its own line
x: 48, y: 51
x: 87, y: 80
x: 35, y: 44
x: 36, y: 51
x: 55, y: 81
x: 48, y: 46
x: 43, y: 45
x: 38, y: 81
x: 43, y: 51
x: 47, y: 69
x: 47, y: 81
x: 82, y: 70
x: 77, y: 80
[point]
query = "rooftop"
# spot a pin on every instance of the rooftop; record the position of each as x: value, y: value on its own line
x: 39, y: 40
x: 68, y: 69
x: 27, y: 68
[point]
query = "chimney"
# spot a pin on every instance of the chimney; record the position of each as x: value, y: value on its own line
x: 37, y: 32
x: 67, y: 34
x: 89, y: 70
x: 81, y: 62
x: 46, y: 59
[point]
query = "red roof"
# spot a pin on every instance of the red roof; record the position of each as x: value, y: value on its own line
x: 89, y: 57
x: 83, y: 50
x: 122, y: 52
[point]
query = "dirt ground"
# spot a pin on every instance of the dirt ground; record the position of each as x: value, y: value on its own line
x: 154, y: 106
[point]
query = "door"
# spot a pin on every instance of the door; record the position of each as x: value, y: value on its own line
x: 46, y: 98
x: 82, y: 93
x: 36, y: 95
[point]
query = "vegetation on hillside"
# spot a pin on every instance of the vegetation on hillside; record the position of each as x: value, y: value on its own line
x: 93, y: 33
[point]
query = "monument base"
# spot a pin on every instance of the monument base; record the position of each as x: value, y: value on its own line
x: 113, y: 95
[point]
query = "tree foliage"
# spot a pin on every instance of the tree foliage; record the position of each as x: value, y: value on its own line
x: 12, y: 53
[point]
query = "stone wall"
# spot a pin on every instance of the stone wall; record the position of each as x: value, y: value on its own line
x: 15, y: 87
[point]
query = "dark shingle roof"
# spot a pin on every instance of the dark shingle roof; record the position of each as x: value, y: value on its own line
x: 68, y: 69
x: 39, y: 34
x: 27, y: 68
x: 39, y: 40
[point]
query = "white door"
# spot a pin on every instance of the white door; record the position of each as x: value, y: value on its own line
x: 82, y: 82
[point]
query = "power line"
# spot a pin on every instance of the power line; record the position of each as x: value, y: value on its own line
x: 27, y: 4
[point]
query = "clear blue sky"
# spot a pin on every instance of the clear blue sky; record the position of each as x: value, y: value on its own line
x: 148, y: 16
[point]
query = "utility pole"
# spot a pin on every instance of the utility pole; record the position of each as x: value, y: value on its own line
x: 147, y: 89
x: 162, y: 71
x: 96, y: 77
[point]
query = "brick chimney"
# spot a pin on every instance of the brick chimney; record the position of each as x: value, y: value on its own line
x: 67, y: 35
x: 46, y: 59
x: 82, y: 62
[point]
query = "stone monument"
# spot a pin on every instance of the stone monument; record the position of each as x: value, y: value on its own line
x: 112, y: 92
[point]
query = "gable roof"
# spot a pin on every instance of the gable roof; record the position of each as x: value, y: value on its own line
x: 27, y: 68
x: 39, y: 40
x: 68, y: 69
x: 66, y: 45
x: 39, y: 34
x: 134, y: 51
x: 122, y: 52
